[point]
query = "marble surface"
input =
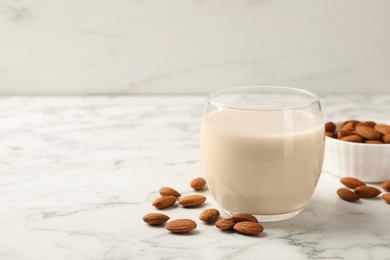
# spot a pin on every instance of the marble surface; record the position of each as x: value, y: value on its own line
x: 78, y: 173
x: 193, y: 46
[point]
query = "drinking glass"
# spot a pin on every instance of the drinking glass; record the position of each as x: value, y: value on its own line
x: 261, y: 149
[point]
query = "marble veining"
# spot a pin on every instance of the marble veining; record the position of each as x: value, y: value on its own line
x: 78, y: 173
x: 192, y: 47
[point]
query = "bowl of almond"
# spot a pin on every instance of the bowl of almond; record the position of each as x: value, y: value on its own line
x: 359, y: 149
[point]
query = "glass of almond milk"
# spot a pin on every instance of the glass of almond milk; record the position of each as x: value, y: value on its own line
x: 262, y: 149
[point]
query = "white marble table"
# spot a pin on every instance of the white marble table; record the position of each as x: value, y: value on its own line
x: 78, y: 173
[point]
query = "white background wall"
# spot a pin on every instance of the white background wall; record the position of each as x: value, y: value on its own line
x: 193, y: 46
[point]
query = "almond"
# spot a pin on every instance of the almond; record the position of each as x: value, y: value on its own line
x: 367, y: 191
x: 352, y: 138
x: 192, y: 200
x: 164, y: 202
x: 382, y: 128
x: 329, y: 134
x: 386, y: 185
x: 367, y: 123
x: 209, y: 215
x: 352, y: 182
x: 198, y: 183
x: 330, y: 127
x: 373, y: 142
x: 349, y: 127
x: 368, y: 133
x: 342, y: 134
x: 167, y: 191
x: 181, y: 225
x: 248, y: 228
x: 347, y: 195
x: 386, y: 139
x: 239, y: 217
x: 155, y: 218
x: 353, y: 121
x: 225, y: 223
x: 386, y: 197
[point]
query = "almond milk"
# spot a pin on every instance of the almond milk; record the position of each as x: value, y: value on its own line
x: 262, y: 162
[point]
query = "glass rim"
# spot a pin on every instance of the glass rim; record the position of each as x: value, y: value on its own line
x: 242, y: 89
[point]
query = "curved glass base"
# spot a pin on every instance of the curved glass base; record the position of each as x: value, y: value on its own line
x: 271, y: 218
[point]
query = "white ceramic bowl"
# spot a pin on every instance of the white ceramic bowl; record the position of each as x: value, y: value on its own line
x: 367, y: 162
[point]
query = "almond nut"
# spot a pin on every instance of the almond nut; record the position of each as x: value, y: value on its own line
x: 192, y: 200
x: 164, y: 202
x: 382, y: 128
x: 353, y: 121
x: 386, y: 139
x: 167, y: 191
x: 349, y: 127
x: 329, y: 134
x: 341, y: 134
x: 352, y: 182
x: 386, y: 185
x: 209, y: 215
x: 368, y: 133
x: 248, y: 228
x: 386, y: 197
x: 225, y: 224
x: 352, y: 138
x: 347, y: 195
x: 367, y: 123
x: 367, y: 191
x: 330, y: 127
x: 180, y: 225
x: 373, y: 142
x: 239, y: 217
x: 155, y: 218
x: 198, y: 183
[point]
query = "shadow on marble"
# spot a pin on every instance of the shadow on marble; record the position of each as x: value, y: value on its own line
x: 335, y: 215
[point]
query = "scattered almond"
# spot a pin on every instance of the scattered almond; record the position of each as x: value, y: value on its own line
x: 192, y: 200
x: 155, y: 218
x: 351, y: 182
x: 198, y: 183
x: 382, y: 128
x: 209, y: 215
x: 386, y: 197
x: 347, y: 195
x: 225, y: 224
x: 367, y: 191
x: 167, y: 191
x: 386, y: 185
x: 248, y: 228
x: 164, y: 202
x: 352, y: 138
x: 181, y: 225
x: 239, y: 217
x: 330, y: 127
x: 368, y: 133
